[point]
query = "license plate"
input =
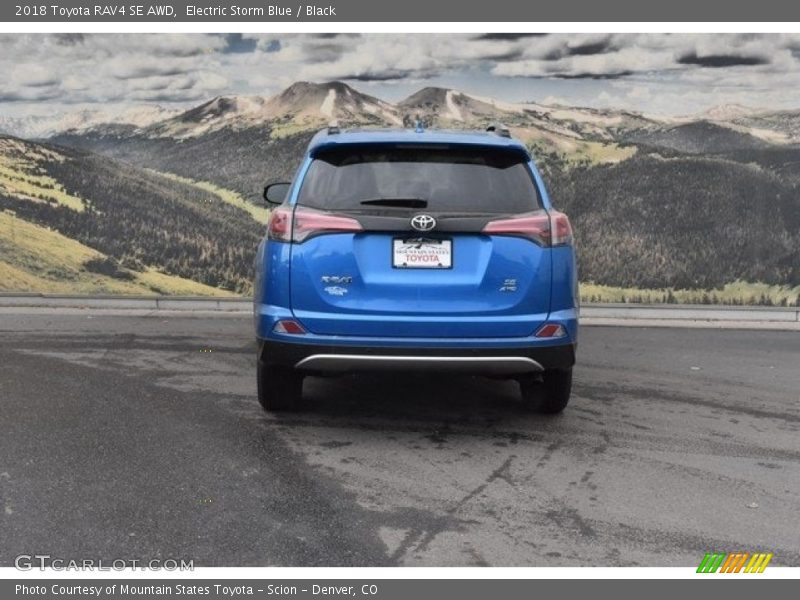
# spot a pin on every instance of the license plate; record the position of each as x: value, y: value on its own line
x: 421, y: 253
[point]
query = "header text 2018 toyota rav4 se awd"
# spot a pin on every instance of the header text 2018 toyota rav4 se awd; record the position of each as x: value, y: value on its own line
x: 416, y: 250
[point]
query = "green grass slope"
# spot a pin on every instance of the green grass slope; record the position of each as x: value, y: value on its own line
x: 137, y: 220
x: 36, y: 259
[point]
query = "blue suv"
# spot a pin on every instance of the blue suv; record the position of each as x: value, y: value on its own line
x: 416, y: 250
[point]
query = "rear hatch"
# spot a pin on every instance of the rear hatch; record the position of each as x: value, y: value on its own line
x: 402, y: 241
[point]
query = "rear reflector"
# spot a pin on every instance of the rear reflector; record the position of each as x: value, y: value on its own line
x: 551, y: 330
x: 545, y: 229
x: 288, y: 326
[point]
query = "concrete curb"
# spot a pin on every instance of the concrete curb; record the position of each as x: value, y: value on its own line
x: 692, y: 312
x: 644, y: 315
x: 172, y: 303
x: 691, y: 324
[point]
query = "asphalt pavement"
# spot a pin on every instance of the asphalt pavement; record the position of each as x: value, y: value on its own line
x: 141, y: 437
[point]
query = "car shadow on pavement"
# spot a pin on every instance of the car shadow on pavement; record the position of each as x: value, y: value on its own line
x: 419, y: 397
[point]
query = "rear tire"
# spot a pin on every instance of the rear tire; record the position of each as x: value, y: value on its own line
x: 279, y: 389
x: 550, y: 395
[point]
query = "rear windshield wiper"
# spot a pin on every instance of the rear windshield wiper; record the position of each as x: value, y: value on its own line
x: 401, y: 202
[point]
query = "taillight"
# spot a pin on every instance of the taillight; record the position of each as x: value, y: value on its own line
x: 545, y: 229
x: 561, y: 228
x: 286, y: 226
x: 280, y: 224
x: 535, y: 226
x: 309, y: 222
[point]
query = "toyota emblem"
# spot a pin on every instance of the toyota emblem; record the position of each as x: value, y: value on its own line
x: 423, y: 223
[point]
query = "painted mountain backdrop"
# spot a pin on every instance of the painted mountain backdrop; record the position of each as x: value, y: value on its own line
x: 702, y: 208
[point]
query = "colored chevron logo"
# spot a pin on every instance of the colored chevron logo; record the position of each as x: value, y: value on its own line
x: 734, y: 562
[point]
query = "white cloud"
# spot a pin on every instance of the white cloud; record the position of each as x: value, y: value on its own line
x: 643, y: 72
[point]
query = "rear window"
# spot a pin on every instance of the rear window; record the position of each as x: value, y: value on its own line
x: 446, y: 179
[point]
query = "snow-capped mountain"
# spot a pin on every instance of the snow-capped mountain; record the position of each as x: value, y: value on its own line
x: 302, y: 104
x: 45, y: 126
x: 453, y: 106
x: 781, y: 123
x: 773, y: 127
x: 305, y: 106
x: 334, y: 100
x: 728, y: 112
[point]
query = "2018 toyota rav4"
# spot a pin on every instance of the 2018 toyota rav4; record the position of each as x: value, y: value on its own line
x: 416, y: 250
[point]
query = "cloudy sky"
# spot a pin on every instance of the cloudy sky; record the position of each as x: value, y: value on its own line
x: 669, y: 74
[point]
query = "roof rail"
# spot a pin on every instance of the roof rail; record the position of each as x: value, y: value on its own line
x: 499, y: 129
x: 333, y: 127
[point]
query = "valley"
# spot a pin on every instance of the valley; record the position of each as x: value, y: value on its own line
x: 699, y: 204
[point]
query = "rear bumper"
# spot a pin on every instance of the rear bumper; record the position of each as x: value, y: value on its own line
x: 326, y: 359
x: 266, y: 315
